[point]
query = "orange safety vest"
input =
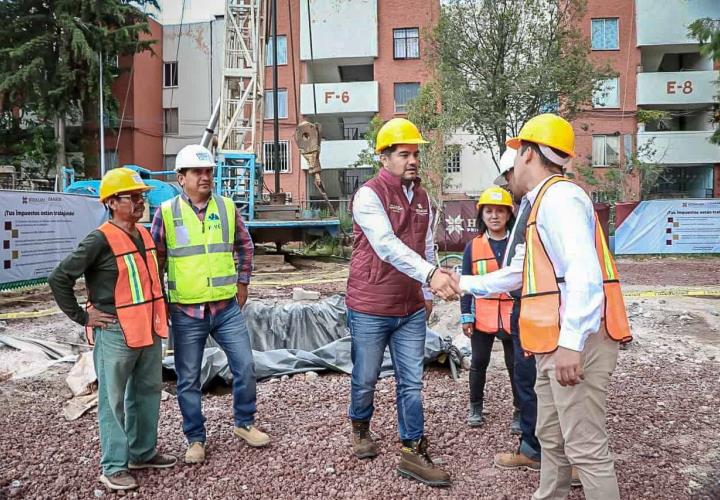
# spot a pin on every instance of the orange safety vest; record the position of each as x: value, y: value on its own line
x: 493, y: 314
x: 540, y: 302
x: 139, y: 300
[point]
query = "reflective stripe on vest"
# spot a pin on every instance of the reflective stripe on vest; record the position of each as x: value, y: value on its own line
x: 139, y: 302
x: 491, y: 315
x: 540, y: 305
x: 201, y: 267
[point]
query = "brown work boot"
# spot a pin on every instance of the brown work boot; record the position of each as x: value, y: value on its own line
x: 415, y: 463
x: 252, y: 436
x: 195, y: 453
x: 362, y: 442
x: 575, y: 481
x: 516, y: 460
x: 159, y: 461
x: 119, y: 481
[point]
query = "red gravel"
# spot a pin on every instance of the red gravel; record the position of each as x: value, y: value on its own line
x: 670, y: 271
x: 662, y: 421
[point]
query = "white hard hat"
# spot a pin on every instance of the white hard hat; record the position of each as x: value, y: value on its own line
x: 194, y: 156
x: 507, y: 162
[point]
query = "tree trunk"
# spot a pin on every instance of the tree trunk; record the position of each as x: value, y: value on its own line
x: 60, y: 156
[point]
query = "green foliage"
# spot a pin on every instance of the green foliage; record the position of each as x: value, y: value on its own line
x: 707, y: 32
x: 49, y: 64
x: 506, y: 61
x: 367, y: 157
x: 652, y: 115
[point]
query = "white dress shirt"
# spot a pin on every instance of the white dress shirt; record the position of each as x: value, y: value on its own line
x: 566, y: 224
x: 368, y: 213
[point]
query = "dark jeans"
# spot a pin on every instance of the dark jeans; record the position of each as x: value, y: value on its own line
x: 229, y: 330
x: 482, y: 344
x: 525, y: 374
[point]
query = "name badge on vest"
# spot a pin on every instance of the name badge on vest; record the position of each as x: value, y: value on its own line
x: 181, y: 235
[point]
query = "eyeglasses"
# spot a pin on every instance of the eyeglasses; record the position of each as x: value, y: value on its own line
x: 136, y: 197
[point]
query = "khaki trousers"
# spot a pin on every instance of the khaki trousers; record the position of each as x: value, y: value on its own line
x: 571, y: 425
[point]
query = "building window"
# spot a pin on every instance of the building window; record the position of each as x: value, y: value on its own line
x: 169, y: 162
x: 607, y: 95
x: 282, y: 104
x: 170, y: 74
x: 605, y: 150
x: 452, y: 160
x: 269, y: 167
x: 281, y: 50
x: 605, y: 34
x: 404, y: 93
x: 170, y: 121
x: 406, y: 43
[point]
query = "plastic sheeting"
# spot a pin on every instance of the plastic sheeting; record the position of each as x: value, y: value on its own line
x: 297, y: 337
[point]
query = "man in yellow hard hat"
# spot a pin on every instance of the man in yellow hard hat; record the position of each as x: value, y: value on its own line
x: 389, y: 294
x: 572, y: 316
x: 125, y: 320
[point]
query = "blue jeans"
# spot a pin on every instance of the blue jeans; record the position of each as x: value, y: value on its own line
x: 524, y: 375
x: 405, y: 335
x: 229, y: 330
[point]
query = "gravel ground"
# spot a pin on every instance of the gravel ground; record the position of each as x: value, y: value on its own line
x: 663, y: 418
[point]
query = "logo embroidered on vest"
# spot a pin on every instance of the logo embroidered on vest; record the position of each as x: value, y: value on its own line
x: 420, y: 210
x: 213, y: 217
x: 395, y: 208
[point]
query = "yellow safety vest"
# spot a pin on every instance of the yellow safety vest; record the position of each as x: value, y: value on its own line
x: 200, y: 260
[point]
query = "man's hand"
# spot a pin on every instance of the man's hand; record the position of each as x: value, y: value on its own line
x: 242, y: 294
x: 568, y: 366
x: 467, y: 329
x: 445, y: 284
x: 99, y: 319
x: 428, y: 308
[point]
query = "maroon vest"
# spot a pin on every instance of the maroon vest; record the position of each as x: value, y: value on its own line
x: 374, y: 286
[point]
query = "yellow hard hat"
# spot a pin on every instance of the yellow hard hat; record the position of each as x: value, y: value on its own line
x: 549, y: 130
x: 397, y: 131
x: 121, y: 180
x: 495, y: 196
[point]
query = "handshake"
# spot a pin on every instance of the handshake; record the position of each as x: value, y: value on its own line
x: 445, y: 284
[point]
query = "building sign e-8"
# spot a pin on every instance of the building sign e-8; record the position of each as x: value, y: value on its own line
x: 344, y: 96
x: 674, y: 87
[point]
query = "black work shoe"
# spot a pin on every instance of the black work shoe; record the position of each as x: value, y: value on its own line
x: 159, y: 461
x: 475, y: 415
x: 415, y: 463
x: 515, y: 427
x: 362, y: 442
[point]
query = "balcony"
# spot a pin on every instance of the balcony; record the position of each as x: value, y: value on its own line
x: 341, y: 29
x: 336, y: 155
x: 668, y: 24
x: 678, y: 148
x: 682, y: 87
x: 340, y: 98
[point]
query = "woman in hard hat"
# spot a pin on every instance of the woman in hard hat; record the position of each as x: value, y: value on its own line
x: 484, y: 319
x: 125, y: 319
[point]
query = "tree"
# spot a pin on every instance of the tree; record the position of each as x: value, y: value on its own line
x: 49, y: 61
x: 507, y: 60
x: 707, y: 32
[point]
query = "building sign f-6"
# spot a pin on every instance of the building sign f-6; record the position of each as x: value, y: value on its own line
x: 344, y: 96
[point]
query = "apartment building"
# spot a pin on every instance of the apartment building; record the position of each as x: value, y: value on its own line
x: 659, y: 69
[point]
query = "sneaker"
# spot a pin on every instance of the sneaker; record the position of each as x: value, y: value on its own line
x: 119, y: 481
x: 252, y: 436
x: 515, y: 427
x: 362, y: 442
x: 516, y: 460
x: 195, y: 453
x: 159, y: 461
x: 415, y: 463
x: 575, y: 481
x: 475, y: 415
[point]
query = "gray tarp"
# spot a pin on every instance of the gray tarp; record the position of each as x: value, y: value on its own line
x: 300, y: 337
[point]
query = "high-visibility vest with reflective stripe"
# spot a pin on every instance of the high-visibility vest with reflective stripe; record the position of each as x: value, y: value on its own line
x: 139, y: 301
x: 200, y: 260
x: 491, y: 315
x: 540, y: 303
